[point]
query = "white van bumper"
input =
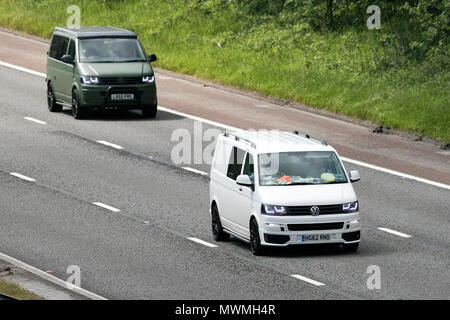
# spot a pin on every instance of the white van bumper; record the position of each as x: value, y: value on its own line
x: 293, y: 230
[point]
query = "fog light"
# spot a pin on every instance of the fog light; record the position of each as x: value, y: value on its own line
x: 273, y: 225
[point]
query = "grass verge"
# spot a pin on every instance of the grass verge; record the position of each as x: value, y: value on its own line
x: 15, y: 291
x: 354, y: 71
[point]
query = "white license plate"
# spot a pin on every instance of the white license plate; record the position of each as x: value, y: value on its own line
x: 315, y: 237
x: 122, y: 96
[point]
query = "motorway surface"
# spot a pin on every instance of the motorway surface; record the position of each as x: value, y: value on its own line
x: 143, y: 250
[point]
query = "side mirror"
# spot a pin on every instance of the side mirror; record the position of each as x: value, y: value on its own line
x: 354, y: 176
x: 67, y: 58
x: 152, y: 57
x: 244, y: 180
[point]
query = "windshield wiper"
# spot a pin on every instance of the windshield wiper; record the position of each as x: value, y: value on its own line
x: 116, y: 61
x: 298, y: 183
x: 132, y: 61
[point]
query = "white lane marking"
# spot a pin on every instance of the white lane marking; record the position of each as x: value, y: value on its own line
x: 105, y: 206
x: 397, y: 173
x: 195, y: 170
x: 210, y: 122
x: 202, y: 242
x: 35, y: 120
x: 314, y: 282
x: 400, y: 234
x: 109, y: 144
x: 21, y: 176
x: 51, y: 278
x: 13, y: 66
x: 220, y: 125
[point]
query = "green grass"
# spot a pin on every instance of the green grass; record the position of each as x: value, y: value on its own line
x: 344, y: 72
x: 15, y: 291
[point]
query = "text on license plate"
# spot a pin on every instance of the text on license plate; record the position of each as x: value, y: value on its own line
x: 315, y: 237
x: 122, y: 96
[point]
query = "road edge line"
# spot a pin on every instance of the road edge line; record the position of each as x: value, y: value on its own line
x: 306, y: 279
x: 52, y: 279
x: 15, y: 67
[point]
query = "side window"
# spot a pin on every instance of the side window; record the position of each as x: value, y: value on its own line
x: 235, y: 163
x: 249, y: 168
x: 58, y: 47
x: 71, y: 51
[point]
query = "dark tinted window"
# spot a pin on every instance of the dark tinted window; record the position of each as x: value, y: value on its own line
x: 71, y: 51
x: 249, y: 168
x: 235, y: 163
x: 58, y: 47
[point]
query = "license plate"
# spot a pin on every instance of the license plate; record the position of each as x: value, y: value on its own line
x: 315, y: 237
x: 122, y: 96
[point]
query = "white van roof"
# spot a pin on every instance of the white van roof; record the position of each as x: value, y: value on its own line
x: 270, y: 141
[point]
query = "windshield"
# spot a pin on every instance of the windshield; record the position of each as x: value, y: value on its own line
x: 111, y: 50
x: 298, y: 168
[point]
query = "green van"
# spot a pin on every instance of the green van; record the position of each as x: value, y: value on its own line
x: 99, y: 68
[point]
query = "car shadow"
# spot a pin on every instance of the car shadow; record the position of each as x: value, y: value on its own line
x: 124, y: 115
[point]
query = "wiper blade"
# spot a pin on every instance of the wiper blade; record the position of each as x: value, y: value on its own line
x: 299, y: 183
x: 133, y: 61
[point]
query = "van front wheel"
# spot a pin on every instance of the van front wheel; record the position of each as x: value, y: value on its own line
x: 77, y: 111
x: 255, y: 241
x: 217, y: 229
x: 150, y: 111
x: 351, y: 247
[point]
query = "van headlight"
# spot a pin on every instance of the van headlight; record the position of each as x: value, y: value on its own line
x: 148, y: 79
x: 273, y: 210
x: 350, y: 207
x: 89, y: 80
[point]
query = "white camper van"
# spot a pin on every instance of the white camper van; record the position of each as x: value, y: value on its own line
x: 281, y: 188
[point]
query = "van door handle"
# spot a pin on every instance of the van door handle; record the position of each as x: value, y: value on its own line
x: 240, y: 189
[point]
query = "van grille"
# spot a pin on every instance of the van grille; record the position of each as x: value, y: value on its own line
x: 121, y: 80
x: 305, y: 210
x: 315, y: 226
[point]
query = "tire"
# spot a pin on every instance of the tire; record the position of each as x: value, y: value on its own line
x: 216, y: 226
x: 150, y: 111
x: 77, y: 111
x: 351, y: 247
x: 51, y: 100
x: 255, y: 241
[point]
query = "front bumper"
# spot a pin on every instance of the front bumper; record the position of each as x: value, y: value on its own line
x: 98, y: 96
x: 294, y: 230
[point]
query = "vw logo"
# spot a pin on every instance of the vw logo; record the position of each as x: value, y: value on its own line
x: 314, y: 211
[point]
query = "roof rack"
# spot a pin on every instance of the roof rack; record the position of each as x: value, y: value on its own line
x: 237, y: 138
x: 309, y: 136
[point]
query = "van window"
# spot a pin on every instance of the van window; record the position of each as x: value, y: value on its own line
x: 111, y: 50
x: 249, y: 168
x: 235, y: 163
x: 300, y: 168
x: 71, y: 51
x: 58, y: 47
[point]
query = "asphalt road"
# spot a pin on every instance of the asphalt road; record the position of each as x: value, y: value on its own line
x: 143, y: 251
x: 249, y: 110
